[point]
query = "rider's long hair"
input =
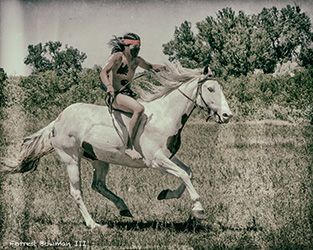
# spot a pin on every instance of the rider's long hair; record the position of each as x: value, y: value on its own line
x: 117, y: 45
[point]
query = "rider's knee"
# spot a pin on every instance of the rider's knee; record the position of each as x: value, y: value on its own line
x: 140, y: 110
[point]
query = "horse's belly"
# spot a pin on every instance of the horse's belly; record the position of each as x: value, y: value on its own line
x: 108, y: 145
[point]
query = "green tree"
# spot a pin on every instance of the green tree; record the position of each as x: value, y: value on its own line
x: 287, y: 30
x: 306, y: 58
x: 186, y: 48
x: 229, y: 38
x: 50, y: 56
x: 238, y: 44
x: 262, y: 54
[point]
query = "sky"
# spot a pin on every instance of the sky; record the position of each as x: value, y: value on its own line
x: 89, y: 25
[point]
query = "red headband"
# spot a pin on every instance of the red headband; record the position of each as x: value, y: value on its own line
x: 129, y: 41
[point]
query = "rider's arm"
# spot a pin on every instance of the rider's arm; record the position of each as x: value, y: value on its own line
x: 148, y: 66
x: 107, y: 70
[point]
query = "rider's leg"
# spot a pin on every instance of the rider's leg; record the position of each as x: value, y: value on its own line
x: 128, y: 104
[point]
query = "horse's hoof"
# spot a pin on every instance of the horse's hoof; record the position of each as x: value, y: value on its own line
x: 199, y: 214
x: 163, y: 194
x: 103, y: 228
x: 126, y: 213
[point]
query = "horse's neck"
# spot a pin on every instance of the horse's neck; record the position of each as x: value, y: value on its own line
x: 175, y: 107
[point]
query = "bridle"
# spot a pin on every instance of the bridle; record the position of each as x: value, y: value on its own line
x: 199, y: 93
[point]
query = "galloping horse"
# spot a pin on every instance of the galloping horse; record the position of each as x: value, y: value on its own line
x: 95, y: 133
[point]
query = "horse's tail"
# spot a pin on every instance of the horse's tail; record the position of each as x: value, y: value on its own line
x: 32, y: 149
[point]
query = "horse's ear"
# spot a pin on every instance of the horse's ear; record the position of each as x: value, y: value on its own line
x: 206, y: 70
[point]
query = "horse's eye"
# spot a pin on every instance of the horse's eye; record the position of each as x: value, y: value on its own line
x: 211, y: 89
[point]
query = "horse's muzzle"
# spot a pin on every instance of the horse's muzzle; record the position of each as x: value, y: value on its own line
x: 223, y: 118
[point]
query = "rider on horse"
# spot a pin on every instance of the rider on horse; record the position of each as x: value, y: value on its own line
x: 117, y: 74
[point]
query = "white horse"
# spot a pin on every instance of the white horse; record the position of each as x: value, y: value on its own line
x: 92, y: 132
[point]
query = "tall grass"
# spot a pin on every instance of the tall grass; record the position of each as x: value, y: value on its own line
x: 12, y: 193
x: 255, y: 182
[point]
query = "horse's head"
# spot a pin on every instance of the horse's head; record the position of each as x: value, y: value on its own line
x: 211, y: 98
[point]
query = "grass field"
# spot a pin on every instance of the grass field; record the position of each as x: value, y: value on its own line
x: 255, y: 181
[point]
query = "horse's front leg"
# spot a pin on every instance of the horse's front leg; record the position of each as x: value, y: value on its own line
x: 161, y: 162
x: 177, y: 193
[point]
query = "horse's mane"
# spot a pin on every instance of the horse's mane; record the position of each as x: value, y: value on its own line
x: 168, y: 80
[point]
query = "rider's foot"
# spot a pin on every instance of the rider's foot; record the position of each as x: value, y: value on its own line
x: 133, y: 153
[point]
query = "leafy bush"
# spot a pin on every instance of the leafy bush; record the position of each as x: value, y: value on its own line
x: 48, y: 93
x: 251, y: 97
x: 3, y: 77
x: 263, y: 96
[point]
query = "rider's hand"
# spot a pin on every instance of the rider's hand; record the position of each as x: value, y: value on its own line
x: 110, y: 90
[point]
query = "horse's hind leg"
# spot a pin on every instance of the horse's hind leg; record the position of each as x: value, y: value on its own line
x: 99, y: 184
x: 177, y: 193
x: 71, y: 159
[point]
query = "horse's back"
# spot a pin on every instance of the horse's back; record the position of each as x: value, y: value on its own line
x: 84, y: 114
x: 77, y: 119
x: 80, y: 120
